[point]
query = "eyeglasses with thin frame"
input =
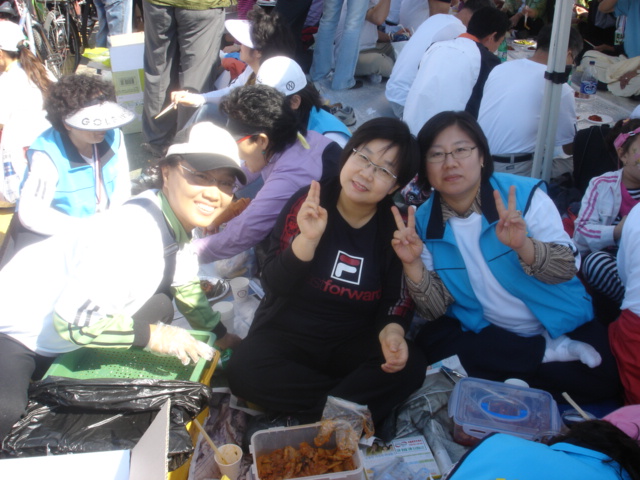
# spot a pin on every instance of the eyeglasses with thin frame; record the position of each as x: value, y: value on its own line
x: 202, y: 180
x: 459, y: 153
x: 381, y: 173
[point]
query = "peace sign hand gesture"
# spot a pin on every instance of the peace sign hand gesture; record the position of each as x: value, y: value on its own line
x: 312, y: 221
x: 407, y: 244
x: 511, y: 229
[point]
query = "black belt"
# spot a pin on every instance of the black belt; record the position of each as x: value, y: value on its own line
x: 512, y: 158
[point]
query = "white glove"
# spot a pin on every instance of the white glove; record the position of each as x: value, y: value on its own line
x: 177, y: 342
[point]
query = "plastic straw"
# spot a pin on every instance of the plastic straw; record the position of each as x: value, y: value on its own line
x: 211, y: 444
x: 576, y: 406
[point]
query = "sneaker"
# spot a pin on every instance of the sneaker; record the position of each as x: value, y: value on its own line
x: 266, y: 3
x: 345, y: 114
x: 375, y: 78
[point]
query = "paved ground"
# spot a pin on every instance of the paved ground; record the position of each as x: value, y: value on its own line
x: 368, y: 102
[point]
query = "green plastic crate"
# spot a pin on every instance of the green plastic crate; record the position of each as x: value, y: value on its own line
x: 131, y: 362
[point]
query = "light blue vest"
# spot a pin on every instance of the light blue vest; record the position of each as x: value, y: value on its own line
x: 561, y: 308
x: 506, y: 457
x: 323, y: 122
x: 75, y: 191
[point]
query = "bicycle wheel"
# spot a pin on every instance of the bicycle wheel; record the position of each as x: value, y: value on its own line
x: 44, y: 51
x: 64, y: 39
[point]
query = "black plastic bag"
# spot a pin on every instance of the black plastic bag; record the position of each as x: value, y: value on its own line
x: 73, y: 416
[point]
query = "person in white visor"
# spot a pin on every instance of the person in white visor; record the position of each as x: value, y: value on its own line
x: 78, y: 167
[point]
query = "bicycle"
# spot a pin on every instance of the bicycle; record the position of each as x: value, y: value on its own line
x: 60, y: 21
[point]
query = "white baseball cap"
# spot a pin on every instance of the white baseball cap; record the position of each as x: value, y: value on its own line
x: 283, y: 74
x: 10, y: 36
x: 99, y: 117
x: 208, y: 147
x: 240, y: 30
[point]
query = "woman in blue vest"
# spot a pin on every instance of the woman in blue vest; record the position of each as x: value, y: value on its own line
x: 78, y: 167
x: 493, y: 271
x: 593, y: 449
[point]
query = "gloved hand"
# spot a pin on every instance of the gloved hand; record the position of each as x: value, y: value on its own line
x: 177, y: 342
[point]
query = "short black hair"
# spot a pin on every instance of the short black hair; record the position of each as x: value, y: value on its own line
x: 543, y: 40
x: 443, y: 120
x: 254, y: 109
x: 487, y: 20
x: 309, y: 98
x: 72, y: 93
x: 475, y: 5
x: 270, y: 34
x: 395, y: 131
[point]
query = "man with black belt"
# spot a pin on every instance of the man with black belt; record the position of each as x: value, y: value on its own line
x: 511, y: 104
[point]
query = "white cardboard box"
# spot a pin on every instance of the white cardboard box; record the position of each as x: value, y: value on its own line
x: 127, y: 73
x: 146, y: 461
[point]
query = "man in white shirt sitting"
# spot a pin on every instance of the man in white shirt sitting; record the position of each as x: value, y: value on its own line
x: 452, y: 73
x: 511, y: 104
x: 436, y: 28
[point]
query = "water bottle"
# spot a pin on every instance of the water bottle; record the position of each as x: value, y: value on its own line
x: 589, y: 82
x: 502, y: 50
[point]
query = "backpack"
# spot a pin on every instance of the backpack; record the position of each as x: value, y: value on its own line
x: 592, y: 155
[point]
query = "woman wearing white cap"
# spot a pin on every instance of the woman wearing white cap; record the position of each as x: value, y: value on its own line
x: 107, y: 281
x: 78, y: 167
x: 286, y: 76
x: 261, y: 36
x: 23, y: 82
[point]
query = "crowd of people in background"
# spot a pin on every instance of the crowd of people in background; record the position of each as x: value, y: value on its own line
x: 479, y: 264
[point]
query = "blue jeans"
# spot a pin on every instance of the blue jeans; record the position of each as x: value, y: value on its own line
x: 347, y: 55
x: 114, y: 18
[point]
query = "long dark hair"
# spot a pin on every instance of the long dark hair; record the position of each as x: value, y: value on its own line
x: 604, y: 437
x: 32, y: 67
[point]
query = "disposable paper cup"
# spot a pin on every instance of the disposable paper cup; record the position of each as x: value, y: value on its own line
x: 232, y: 453
x: 226, y: 313
x: 240, y: 288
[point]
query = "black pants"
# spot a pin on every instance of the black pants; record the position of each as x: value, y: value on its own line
x: 295, y: 13
x: 496, y: 354
x: 20, y: 365
x: 285, y: 372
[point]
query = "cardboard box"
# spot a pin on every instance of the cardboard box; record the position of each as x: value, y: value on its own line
x: 146, y: 461
x: 127, y: 72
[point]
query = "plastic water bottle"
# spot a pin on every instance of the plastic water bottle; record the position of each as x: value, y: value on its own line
x: 502, y: 51
x: 589, y: 82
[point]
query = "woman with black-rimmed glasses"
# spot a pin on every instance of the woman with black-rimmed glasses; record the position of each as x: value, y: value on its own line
x: 491, y: 268
x: 335, y: 313
x: 110, y: 280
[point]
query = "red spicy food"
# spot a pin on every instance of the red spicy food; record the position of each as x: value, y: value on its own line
x: 595, y: 118
x: 306, y: 461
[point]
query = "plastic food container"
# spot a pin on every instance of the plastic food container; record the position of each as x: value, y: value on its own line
x: 480, y: 407
x: 133, y: 362
x: 266, y: 441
